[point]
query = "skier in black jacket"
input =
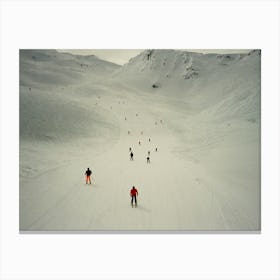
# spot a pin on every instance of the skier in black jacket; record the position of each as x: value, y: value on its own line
x: 88, y: 173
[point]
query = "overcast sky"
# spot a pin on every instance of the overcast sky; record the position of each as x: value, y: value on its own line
x: 122, y: 56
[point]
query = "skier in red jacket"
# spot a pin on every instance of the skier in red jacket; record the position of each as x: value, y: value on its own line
x: 133, y: 194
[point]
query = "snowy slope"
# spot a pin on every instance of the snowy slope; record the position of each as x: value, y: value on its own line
x: 51, y: 117
x: 203, y: 114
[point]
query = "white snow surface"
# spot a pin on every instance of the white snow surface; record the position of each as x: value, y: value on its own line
x: 202, y: 112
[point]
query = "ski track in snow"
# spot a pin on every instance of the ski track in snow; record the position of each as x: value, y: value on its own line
x: 170, y: 195
x: 105, y: 205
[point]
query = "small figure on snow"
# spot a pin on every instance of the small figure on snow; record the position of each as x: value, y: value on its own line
x: 128, y: 132
x: 156, y: 149
x: 130, y: 149
x: 88, y: 173
x: 149, y: 139
x: 133, y: 194
x: 149, y: 153
x: 148, y: 160
x: 131, y: 156
x: 139, y: 143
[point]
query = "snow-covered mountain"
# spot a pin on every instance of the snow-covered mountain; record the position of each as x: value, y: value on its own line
x: 48, y: 79
x: 53, y: 68
x: 202, y: 79
x: 202, y: 112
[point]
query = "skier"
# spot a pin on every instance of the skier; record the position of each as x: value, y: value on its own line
x: 149, y: 153
x: 133, y: 194
x: 156, y: 149
x: 148, y: 160
x: 130, y: 149
x: 128, y: 132
x: 88, y: 173
x: 139, y: 143
x: 149, y: 139
x: 131, y: 156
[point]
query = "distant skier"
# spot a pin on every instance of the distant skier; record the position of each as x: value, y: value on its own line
x: 88, y: 173
x: 131, y: 156
x: 149, y: 153
x: 128, y: 132
x: 125, y: 118
x: 139, y: 143
x: 148, y: 160
x: 149, y: 139
x: 156, y: 149
x: 133, y: 194
x: 130, y: 149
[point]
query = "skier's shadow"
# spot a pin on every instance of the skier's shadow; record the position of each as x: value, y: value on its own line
x: 144, y: 209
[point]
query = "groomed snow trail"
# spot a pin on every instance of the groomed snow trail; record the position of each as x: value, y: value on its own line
x: 173, y: 193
